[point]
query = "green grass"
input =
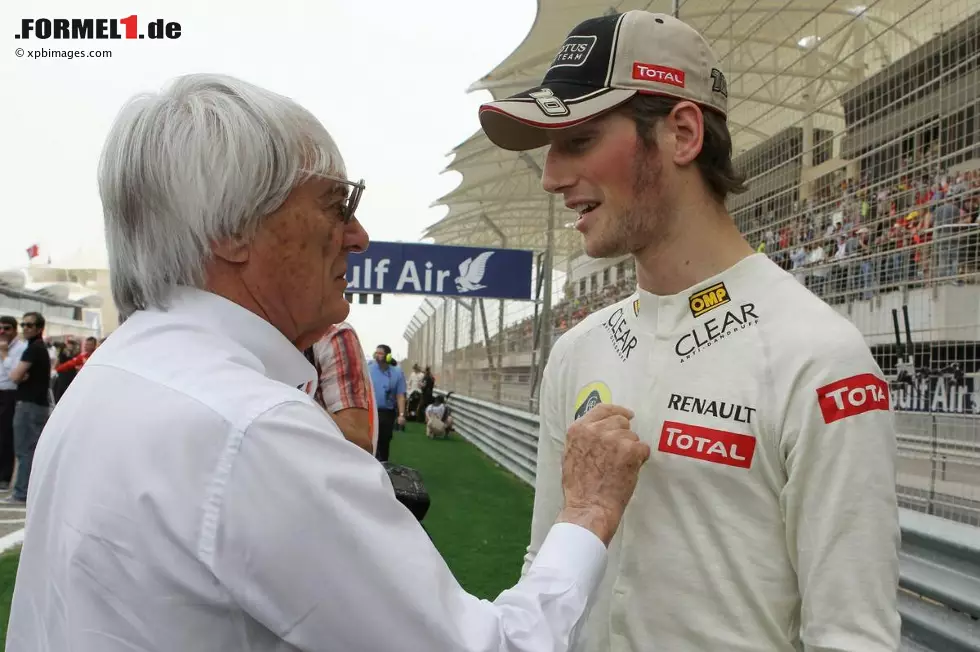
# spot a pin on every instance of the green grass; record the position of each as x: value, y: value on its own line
x: 8, y: 573
x: 479, y: 519
x: 480, y: 516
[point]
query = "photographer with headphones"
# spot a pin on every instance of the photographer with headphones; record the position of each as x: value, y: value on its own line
x: 389, y: 395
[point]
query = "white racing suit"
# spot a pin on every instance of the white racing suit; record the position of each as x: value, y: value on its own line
x: 766, y: 518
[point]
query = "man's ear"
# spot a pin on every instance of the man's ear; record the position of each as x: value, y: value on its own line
x: 688, y: 127
x: 232, y: 250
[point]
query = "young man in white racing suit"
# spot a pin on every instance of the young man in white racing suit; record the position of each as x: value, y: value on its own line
x: 766, y: 519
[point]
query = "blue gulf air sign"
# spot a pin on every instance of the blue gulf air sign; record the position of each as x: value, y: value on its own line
x: 439, y: 270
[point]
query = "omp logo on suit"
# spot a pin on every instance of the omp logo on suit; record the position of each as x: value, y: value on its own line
x: 708, y: 299
x: 590, y: 396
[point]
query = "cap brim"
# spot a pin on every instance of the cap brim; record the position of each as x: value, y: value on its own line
x: 519, y: 123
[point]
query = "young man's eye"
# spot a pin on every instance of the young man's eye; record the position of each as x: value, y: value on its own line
x: 574, y: 145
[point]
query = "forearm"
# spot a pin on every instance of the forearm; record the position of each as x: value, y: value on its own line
x: 74, y: 363
x: 19, y: 373
x: 355, y: 424
x: 597, y: 521
x: 401, y: 404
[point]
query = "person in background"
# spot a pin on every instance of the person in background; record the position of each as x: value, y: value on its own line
x: 68, y: 369
x: 11, y: 348
x: 33, y: 377
x: 438, y: 421
x: 427, y: 386
x: 63, y: 352
x: 389, y: 395
x: 413, y: 385
x: 400, y: 425
x: 189, y: 493
x: 344, y: 386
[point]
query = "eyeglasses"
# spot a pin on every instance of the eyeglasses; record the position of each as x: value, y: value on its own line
x: 28, y: 324
x: 349, y: 208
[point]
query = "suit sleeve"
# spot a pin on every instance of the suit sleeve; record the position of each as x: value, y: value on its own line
x: 839, y: 501
x: 548, y: 494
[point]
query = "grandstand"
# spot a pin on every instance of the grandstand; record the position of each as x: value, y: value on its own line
x: 68, y: 308
x: 859, y: 129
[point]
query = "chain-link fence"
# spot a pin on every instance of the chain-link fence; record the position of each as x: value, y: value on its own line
x: 859, y: 129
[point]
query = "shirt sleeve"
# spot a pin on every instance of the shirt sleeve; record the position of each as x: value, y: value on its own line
x: 400, y: 383
x: 840, y: 502
x: 313, y: 544
x: 548, y: 494
x: 74, y: 363
x: 14, y: 356
x: 343, y: 379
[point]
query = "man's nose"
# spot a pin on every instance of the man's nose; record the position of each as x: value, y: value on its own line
x: 355, y: 237
x: 556, y: 175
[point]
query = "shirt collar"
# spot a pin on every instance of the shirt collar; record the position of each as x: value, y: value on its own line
x: 279, y: 358
x: 657, y: 313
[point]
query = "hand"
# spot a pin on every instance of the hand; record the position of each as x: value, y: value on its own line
x: 600, y: 468
x: 401, y: 420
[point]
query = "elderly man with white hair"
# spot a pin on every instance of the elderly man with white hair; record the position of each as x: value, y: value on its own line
x: 188, y: 493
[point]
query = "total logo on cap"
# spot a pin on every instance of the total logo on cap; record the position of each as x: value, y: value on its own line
x: 662, y: 74
x: 603, y: 63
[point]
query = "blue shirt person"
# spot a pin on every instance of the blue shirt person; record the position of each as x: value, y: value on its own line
x: 389, y: 395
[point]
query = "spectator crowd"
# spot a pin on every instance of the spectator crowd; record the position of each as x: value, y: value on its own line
x: 855, y: 240
x: 849, y: 241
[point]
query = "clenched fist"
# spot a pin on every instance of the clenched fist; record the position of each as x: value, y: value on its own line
x: 599, y: 471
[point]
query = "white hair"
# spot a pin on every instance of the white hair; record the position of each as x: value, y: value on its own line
x: 204, y: 160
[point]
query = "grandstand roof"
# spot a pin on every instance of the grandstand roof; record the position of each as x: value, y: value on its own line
x: 784, y: 60
x: 62, y: 292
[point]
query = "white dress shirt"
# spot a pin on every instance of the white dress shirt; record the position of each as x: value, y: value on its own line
x: 188, y: 495
x: 7, y: 365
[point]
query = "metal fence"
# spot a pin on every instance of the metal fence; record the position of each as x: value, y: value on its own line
x: 859, y: 129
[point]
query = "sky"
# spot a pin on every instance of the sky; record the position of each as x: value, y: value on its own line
x: 387, y: 78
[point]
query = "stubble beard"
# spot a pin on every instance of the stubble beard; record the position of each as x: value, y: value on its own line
x: 644, y: 223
